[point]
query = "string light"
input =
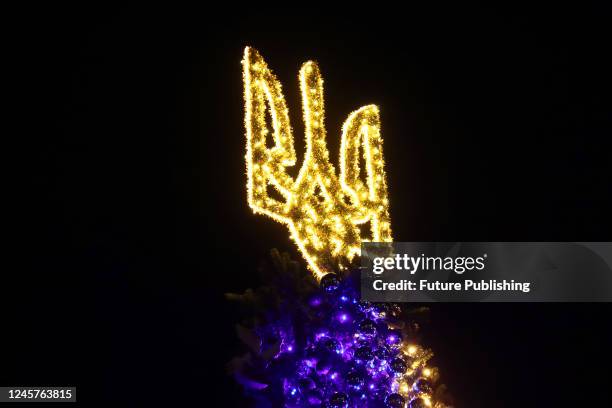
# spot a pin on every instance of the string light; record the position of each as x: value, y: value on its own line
x: 411, y: 350
x: 323, y: 212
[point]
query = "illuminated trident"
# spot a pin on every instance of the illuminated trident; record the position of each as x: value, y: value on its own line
x: 323, y: 213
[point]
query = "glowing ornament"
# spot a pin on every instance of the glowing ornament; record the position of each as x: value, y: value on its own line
x: 322, y: 211
x: 421, y: 385
x: 398, y: 365
x: 395, y: 401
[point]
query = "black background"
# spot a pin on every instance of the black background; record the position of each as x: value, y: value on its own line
x: 132, y: 215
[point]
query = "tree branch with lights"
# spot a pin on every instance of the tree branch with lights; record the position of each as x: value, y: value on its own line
x: 311, y: 341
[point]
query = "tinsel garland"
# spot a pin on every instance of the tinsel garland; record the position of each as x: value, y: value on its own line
x: 318, y: 345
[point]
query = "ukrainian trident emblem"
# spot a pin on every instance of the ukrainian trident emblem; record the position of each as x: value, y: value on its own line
x: 325, y: 214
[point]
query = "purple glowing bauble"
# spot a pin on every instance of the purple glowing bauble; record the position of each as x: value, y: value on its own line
x: 332, y: 345
x: 306, y: 384
x: 422, y: 385
x: 323, y: 366
x: 338, y: 400
x: 395, y: 401
x: 355, y: 379
x: 382, y: 352
x: 367, y: 328
x: 364, y: 354
x: 330, y: 282
x: 398, y: 365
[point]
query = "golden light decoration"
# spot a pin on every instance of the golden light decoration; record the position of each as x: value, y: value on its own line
x: 323, y: 212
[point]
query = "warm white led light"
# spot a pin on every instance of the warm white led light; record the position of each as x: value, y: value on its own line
x: 322, y: 211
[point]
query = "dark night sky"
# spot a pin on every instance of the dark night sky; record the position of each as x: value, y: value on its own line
x: 132, y: 211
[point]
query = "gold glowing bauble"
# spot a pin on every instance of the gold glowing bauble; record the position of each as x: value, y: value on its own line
x: 323, y: 212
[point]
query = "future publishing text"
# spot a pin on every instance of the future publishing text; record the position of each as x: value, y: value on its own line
x: 466, y: 285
